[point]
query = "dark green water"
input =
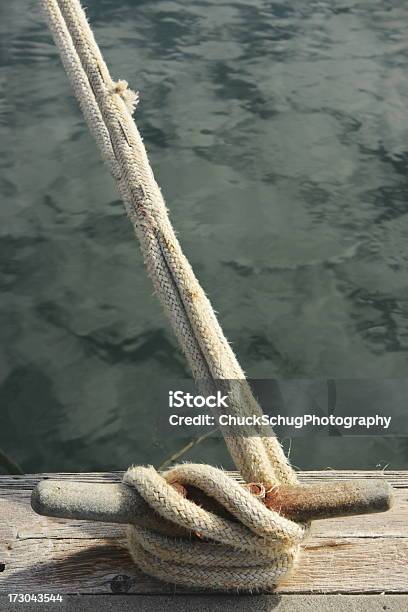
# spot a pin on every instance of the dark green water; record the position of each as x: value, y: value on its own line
x: 279, y: 134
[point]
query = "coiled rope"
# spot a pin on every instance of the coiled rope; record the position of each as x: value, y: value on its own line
x: 255, y: 552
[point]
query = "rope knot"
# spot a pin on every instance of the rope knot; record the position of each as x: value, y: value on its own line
x: 130, y: 97
x: 249, y: 547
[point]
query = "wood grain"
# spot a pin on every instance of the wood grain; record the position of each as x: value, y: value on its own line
x: 364, y: 554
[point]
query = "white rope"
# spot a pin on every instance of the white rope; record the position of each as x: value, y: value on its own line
x: 250, y: 554
x: 107, y: 107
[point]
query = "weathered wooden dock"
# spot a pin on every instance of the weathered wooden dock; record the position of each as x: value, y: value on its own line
x: 355, y: 555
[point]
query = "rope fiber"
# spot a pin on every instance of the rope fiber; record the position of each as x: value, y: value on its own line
x: 255, y: 552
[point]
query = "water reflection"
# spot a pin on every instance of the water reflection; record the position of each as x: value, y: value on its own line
x: 279, y: 135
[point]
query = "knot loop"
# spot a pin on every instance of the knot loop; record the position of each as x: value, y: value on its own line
x: 249, y: 551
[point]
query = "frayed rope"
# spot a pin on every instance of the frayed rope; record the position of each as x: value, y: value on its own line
x: 131, y: 98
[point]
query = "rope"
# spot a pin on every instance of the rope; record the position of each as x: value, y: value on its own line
x: 264, y: 540
x: 250, y: 554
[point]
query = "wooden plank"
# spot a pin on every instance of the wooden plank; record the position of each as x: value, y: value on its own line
x: 344, y: 565
x: 354, y: 555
